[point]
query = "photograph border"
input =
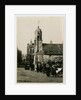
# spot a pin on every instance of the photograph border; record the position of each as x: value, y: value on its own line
x: 38, y: 86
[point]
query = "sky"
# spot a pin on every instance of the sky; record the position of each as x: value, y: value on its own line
x: 52, y: 29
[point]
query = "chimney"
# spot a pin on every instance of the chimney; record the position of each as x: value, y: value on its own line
x: 51, y: 42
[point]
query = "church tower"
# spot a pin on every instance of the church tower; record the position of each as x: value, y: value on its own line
x: 37, y: 43
x: 38, y: 40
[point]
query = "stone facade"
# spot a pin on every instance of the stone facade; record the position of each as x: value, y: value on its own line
x: 42, y: 52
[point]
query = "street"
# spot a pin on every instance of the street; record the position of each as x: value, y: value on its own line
x: 32, y: 76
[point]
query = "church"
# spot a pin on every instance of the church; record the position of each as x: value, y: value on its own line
x: 43, y: 52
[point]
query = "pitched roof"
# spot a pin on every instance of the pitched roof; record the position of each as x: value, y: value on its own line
x: 50, y: 49
x: 53, y: 49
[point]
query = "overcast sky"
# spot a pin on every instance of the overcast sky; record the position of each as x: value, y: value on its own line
x: 52, y: 29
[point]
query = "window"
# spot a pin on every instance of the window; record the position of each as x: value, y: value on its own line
x: 33, y: 50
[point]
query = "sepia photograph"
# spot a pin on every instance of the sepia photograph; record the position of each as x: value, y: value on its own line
x: 40, y: 48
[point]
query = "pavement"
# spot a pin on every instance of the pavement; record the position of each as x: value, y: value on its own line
x: 24, y: 76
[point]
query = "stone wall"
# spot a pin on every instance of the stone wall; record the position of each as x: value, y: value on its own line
x: 46, y: 58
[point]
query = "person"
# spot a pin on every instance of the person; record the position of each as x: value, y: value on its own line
x: 53, y: 70
x: 53, y: 66
x: 47, y: 69
x: 44, y: 67
x: 32, y: 67
x: 41, y: 67
x: 38, y: 66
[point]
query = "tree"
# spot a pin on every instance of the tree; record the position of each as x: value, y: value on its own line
x: 19, y: 57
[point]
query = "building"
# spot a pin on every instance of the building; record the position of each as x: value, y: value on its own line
x: 43, y: 52
x: 23, y: 57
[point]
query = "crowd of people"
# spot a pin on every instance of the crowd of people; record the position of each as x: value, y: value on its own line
x: 49, y: 68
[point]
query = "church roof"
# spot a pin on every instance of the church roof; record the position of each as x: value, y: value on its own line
x: 50, y: 49
x: 53, y: 49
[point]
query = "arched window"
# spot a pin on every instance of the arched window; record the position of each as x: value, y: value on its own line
x: 33, y: 50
